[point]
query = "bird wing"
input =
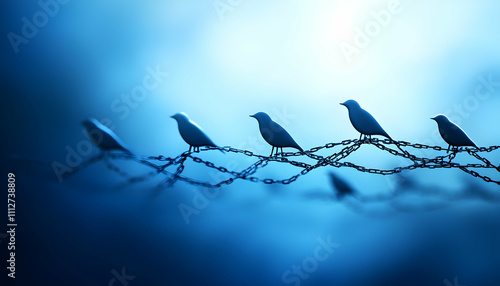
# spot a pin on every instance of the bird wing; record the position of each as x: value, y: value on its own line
x: 281, y: 137
x: 194, y: 135
x: 456, y: 136
x: 366, y: 124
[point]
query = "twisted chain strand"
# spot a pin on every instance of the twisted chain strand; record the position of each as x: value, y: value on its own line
x: 160, y: 163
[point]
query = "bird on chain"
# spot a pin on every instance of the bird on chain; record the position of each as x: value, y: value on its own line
x: 192, y: 133
x: 274, y: 134
x: 103, y: 137
x: 364, y: 122
x: 452, y: 133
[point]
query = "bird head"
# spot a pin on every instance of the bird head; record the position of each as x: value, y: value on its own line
x: 440, y: 118
x: 350, y: 104
x: 261, y: 116
x: 180, y: 117
x: 90, y: 123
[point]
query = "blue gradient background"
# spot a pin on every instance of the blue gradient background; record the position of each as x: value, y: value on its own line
x: 281, y: 57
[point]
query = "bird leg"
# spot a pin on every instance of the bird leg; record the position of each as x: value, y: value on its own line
x: 454, y: 150
x: 282, y: 151
x: 190, y: 148
x: 360, y: 135
x: 448, y: 151
x: 272, y: 151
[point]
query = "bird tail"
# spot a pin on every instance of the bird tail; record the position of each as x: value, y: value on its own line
x: 299, y: 148
x: 404, y: 151
x: 401, y: 149
x: 395, y: 143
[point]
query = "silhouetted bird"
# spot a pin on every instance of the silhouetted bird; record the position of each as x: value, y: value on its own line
x: 103, y: 137
x: 364, y: 122
x: 274, y: 134
x: 452, y: 133
x: 192, y: 133
x: 340, y: 186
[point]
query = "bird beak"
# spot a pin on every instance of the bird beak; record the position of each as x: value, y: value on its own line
x: 342, y: 104
x: 433, y: 118
x: 252, y: 116
x: 172, y: 116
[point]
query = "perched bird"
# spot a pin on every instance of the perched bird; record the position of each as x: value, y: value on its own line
x: 103, y: 137
x: 192, y: 133
x: 364, y: 122
x: 274, y: 134
x: 452, y: 133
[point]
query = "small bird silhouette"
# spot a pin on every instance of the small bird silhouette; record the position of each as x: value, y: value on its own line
x: 341, y: 187
x: 192, y: 133
x: 364, y: 122
x: 103, y: 137
x: 452, y: 133
x: 274, y: 134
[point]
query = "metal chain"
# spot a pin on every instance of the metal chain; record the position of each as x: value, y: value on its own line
x: 488, y: 163
x: 476, y: 174
x: 114, y: 168
x: 348, y: 147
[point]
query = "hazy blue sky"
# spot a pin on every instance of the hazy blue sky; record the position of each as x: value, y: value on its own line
x: 137, y: 63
